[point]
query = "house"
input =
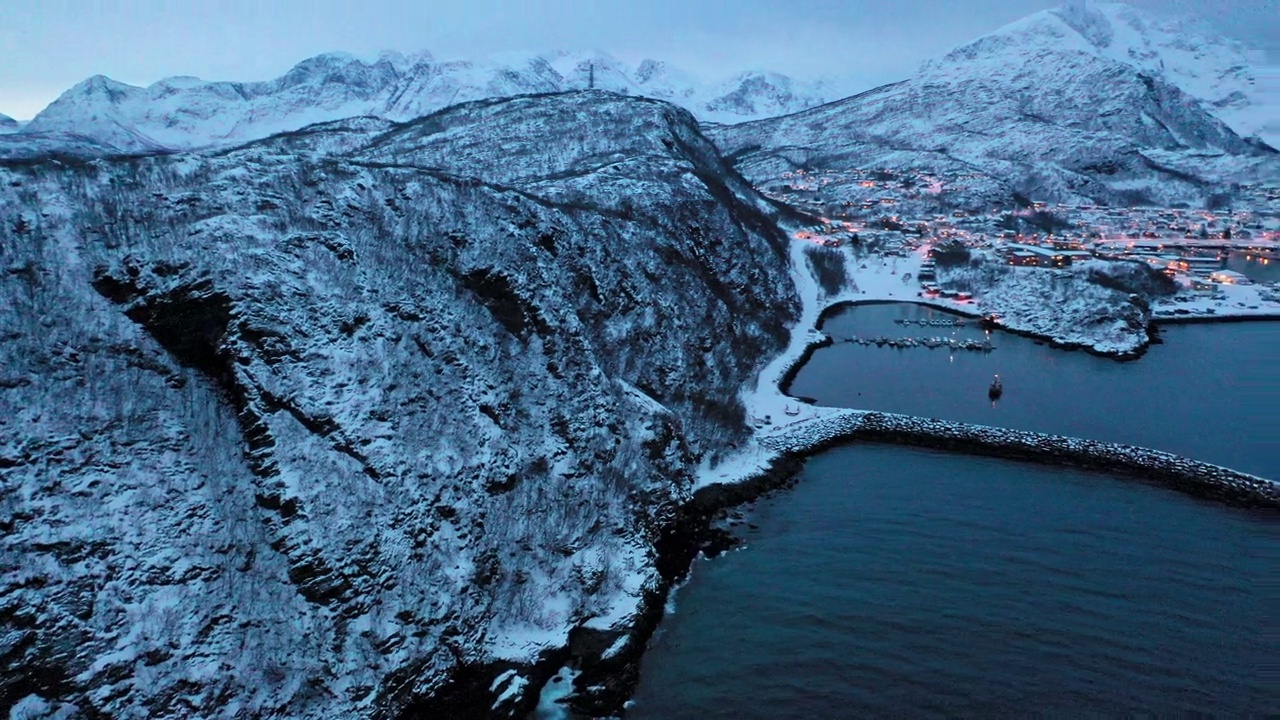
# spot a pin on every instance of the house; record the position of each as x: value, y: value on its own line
x: 1230, y: 277
x: 1205, y: 287
x: 1019, y: 254
x: 1021, y: 258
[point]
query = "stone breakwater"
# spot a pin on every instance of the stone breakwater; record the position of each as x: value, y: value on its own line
x: 608, y: 680
x: 1203, y: 479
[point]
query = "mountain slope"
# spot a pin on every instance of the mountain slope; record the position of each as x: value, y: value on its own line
x: 364, y: 420
x: 1198, y: 60
x: 8, y: 124
x: 1032, y: 109
x: 185, y: 113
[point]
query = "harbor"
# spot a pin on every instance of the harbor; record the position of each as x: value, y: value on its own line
x: 932, y: 343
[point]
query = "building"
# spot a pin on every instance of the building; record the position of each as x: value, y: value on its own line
x: 1230, y: 277
x: 1196, y: 263
x: 1019, y: 254
x: 1205, y: 287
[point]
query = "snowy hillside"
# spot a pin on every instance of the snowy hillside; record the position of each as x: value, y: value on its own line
x: 1036, y: 109
x: 365, y: 419
x: 1186, y: 53
x: 8, y: 124
x: 184, y: 112
x: 1264, y: 112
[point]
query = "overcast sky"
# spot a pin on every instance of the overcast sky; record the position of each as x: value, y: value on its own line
x: 47, y: 46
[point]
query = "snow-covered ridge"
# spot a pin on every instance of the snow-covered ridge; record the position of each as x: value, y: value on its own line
x: 185, y: 112
x: 333, y: 423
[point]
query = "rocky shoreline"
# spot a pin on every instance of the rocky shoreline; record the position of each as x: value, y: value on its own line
x: 1153, y: 327
x: 609, y: 663
x: 610, y: 682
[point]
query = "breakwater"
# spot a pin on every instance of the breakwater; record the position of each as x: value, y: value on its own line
x: 1203, y: 479
x: 931, y: 343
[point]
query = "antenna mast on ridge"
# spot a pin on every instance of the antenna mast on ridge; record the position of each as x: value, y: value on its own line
x: 591, y: 77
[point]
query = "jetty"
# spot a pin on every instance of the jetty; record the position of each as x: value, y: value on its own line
x: 931, y: 343
x: 1204, y: 479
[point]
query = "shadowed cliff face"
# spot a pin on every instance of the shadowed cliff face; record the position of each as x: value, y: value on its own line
x: 356, y: 420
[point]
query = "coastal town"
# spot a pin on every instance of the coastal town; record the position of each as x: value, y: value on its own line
x: 1224, y: 258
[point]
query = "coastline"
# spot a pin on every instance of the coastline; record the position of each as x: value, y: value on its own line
x: 776, y: 453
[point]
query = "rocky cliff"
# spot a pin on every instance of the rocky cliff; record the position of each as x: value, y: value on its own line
x: 366, y: 420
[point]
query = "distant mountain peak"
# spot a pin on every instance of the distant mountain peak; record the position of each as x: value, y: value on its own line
x: 1097, y: 102
x: 186, y: 112
x: 1182, y: 51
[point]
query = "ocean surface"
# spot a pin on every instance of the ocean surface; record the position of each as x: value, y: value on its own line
x: 896, y: 582
x: 1211, y: 391
x: 1257, y: 269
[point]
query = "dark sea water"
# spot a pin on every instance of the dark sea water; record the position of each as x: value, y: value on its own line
x: 894, y: 582
x: 904, y: 583
x: 1211, y: 391
x: 1256, y: 269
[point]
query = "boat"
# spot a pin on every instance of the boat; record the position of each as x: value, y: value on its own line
x: 996, y: 389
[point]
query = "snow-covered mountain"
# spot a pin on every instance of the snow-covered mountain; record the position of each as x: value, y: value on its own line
x: 184, y: 112
x: 1183, y: 51
x: 366, y: 420
x: 1264, y: 112
x: 1063, y: 105
x: 8, y: 124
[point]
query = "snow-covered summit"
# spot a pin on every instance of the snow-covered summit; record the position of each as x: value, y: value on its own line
x: 8, y: 124
x: 185, y: 112
x: 1182, y: 51
x: 765, y: 94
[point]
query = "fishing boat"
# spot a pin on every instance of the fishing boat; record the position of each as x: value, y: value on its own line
x: 996, y: 389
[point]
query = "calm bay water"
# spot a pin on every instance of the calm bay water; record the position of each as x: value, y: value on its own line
x: 1211, y: 392
x: 894, y: 582
x: 903, y: 583
x: 1260, y: 270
